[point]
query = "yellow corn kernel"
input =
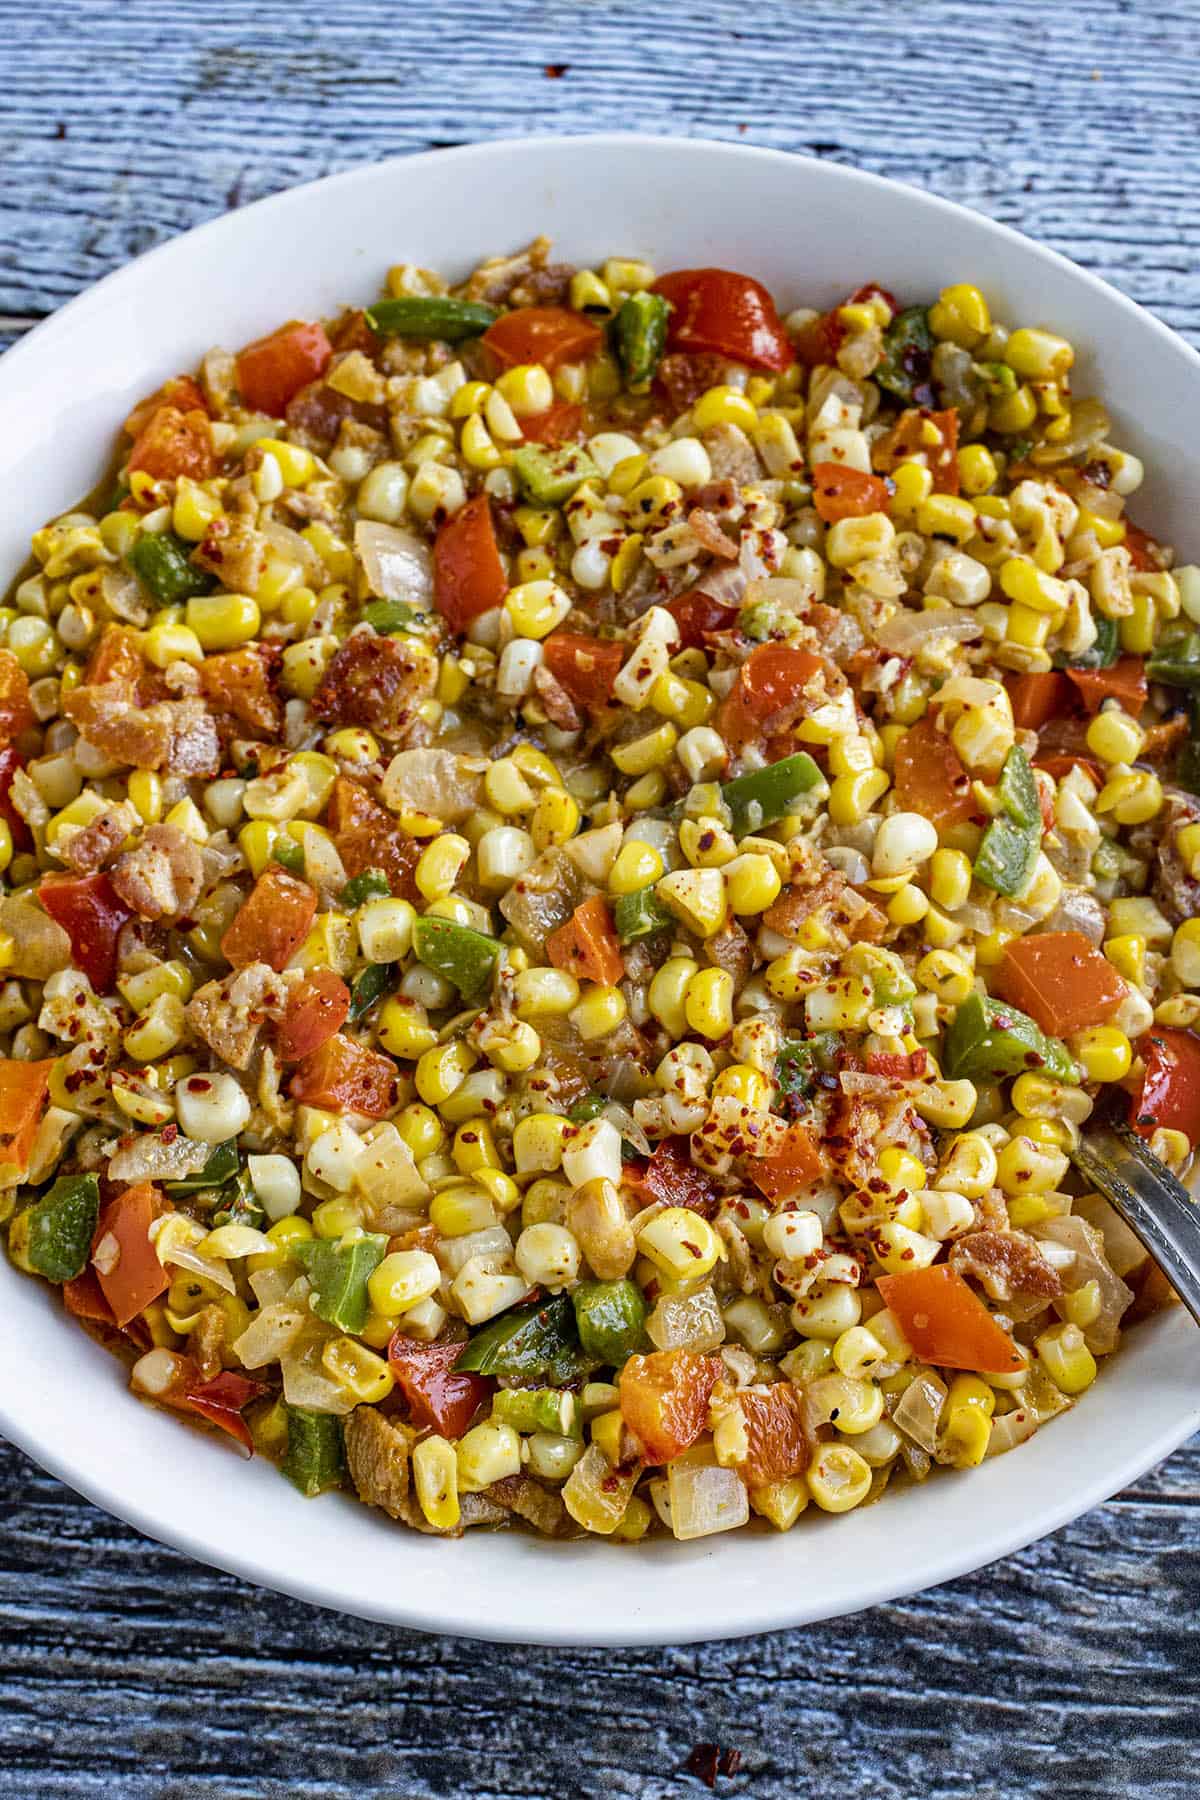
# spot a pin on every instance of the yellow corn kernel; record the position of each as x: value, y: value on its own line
x: 1023, y: 1167
x: 1011, y: 413
x: 167, y: 642
x: 1064, y: 1355
x: 943, y: 973
x: 685, y: 703
x: 404, y: 1029
x: 472, y: 397
x: 477, y: 446
x: 333, y: 1218
x: 442, y: 1070
x: 475, y: 1147
x: 914, y: 485
x: 1138, y: 629
x: 681, y: 1244
x: 555, y: 818
x: 536, y: 607
x: 441, y: 864
x: 1038, y: 355
x: 545, y: 993
x: 353, y: 744
x: 752, y: 883
x: 636, y: 866
x: 296, y: 465
x: 157, y: 1032
x: 1127, y: 954
x: 1027, y: 628
x: 965, y: 1435
x: 1082, y: 1307
x: 333, y: 551
x: 977, y: 469
x: 723, y: 406
x: 146, y: 793
x: 194, y: 510
x: 950, y: 878
x: 256, y: 841
x: 946, y: 1104
x: 744, y: 1083
x: 1103, y: 1052
x: 1023, y: 581
x: 588, y: 293
x: 1114, y: 737
x: 625, y: 476
x: 708, y: 1003
x: 527, y: 388
x: 838, y: 1478
x: 902, y: 1171
x: 1107, y: 532
x: 697, y: 898
x: 667, y: 991
x: 960, y: 315
x: 421, y: 1130
x: 626, y: 560
x: 908, y: 905
x: 402, y: 1280
x: 600, y: 1011
x: 223, y: 621
x: 944, y: 515
x: 605, y: 1430
x: 435, y: 1478
x: 706, y: 843
x: 1132, y: 799
x: 358, y: 1370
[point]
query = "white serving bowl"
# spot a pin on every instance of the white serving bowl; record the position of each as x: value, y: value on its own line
x: 812, y: 231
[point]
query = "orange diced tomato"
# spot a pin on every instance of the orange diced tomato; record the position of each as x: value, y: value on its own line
x: 84, y: 1297
x: 768, y: 694
x: 125, y: 1260
x: 550, y: 335
x: 1037, y: 698
x: 928, y: 777
x: 16, y: 714
x: 468, y: 575
x: 697, y: 613
x: 1169, y: 1097
x: 664, y: 1399
x: 221, y: 1400
x: 946, y: 1322
x: 843, y: 493
x: 797, y: 1165
x: 587, y: 946
x: 92, y: 914
x: 315, y: 1010
x: 272, y: 369
x: 1060, y: 979
x: 272, y: 922
x: 368, y: 837
x: 440, y: 1398
x: 777, y: 1446
x: 910, y: 437
x: 557, y: 425
x: 22, y: 1100
x: 343, y: 1076
x: 174, y: 443
x: 181, y: 392
x: 1125, y: 681
x: 585, y: 666
x: 727, y: 314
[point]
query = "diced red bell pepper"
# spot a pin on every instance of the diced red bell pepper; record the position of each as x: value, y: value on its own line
x: 125, y: 1260
x: 315, y: 1010
x: 181, y: 392
x: 671, y: 1176
x: 664, y: 1399
x: 92, y: 914
x: 16, y: 714
x: 1038, y: 698
x: 550, y: 335
x: 927, y: 434
x: 221, y: 1401
x: 84, y: 1297
x: 908, y: 1065
x: 929, y: 778
x: 468, y: 575
x: 587, y: 946
x: 10, y: 761
x: 1125, y: 681
x: 174, y: 443
x: 585, y: 666
x: 697, y: 613
x: 272, y: 369
x: 768, y: 694
x: 726, y: 313
x: 557, y: 425
x: 798, y: 1164
x: 272, y: 922
x: 843, y: 493
x: 1059, y: 767
x: 440, y: 1397
x: 1060, y: 979
x: 946, y: 1322
x: 368, y: 837
x: 1169, y: 1097
x: 342, y: 1076
x: 22, y: 1100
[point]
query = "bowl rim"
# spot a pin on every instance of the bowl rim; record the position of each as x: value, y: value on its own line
x: 739, y: 1616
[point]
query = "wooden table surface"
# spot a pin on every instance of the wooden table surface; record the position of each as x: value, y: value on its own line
x: 1068, y: 1670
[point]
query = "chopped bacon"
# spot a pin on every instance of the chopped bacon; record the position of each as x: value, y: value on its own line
x: 670, y: 1176
x: 1006, y: 1264
x: 705, y: 527
x: 377, y: 682
x: 16, y: 714
x: 239, y: 683
x: 368, y: 837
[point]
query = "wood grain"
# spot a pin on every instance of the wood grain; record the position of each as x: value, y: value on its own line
x: 1071, y: 1669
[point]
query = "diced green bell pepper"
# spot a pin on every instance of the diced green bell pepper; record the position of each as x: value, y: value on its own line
x: 389, y: 615
x: 763, y: 796
x: 463, y: 956
x: 640, y: 335
x: 1103, y: 653
x: 314, y: 1459
x: 1010, y: 844
x: 999, y: 380
x: 640, y: 914
x: 550, y: 477
x: 1018, y: 789
x: 1178, y: 663
x: 376, y: 980
x: 531, y: 1343
x: 906, y: 367
x: 611, y: 1319
x: 288, y: 854
x: 795, y: 1070
x: 434, y: 316
x: 988, y: 1039
x: 1187, y: 769
x: 339, y: 1274
x: 160, y: 560
x: 590, y: 1107
x: 221, y: 1167
x: 372, y: 884
x: 60, y: 1227
x: 538, y: 1409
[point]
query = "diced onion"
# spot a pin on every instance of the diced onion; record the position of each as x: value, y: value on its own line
x: 398, y: 564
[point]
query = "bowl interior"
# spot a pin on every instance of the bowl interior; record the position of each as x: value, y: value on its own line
x: 812, y: 232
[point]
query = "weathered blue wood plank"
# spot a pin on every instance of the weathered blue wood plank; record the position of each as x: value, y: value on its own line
x: 127, y: 1671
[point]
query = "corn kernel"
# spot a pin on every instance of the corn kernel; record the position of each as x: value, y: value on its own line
x: 723, y: 406
x: 977, y: 470
x: 1066, y: 1358
x: 960, y: 315
x: 223, y: 621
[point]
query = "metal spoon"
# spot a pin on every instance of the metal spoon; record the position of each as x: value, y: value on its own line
x: 1157, y: 1208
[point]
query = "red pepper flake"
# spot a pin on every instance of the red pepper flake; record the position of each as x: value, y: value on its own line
x: 556, y: 71
x: 708, y: 1761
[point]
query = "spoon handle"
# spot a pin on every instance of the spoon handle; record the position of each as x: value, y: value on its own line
x: 1157, y: 1208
